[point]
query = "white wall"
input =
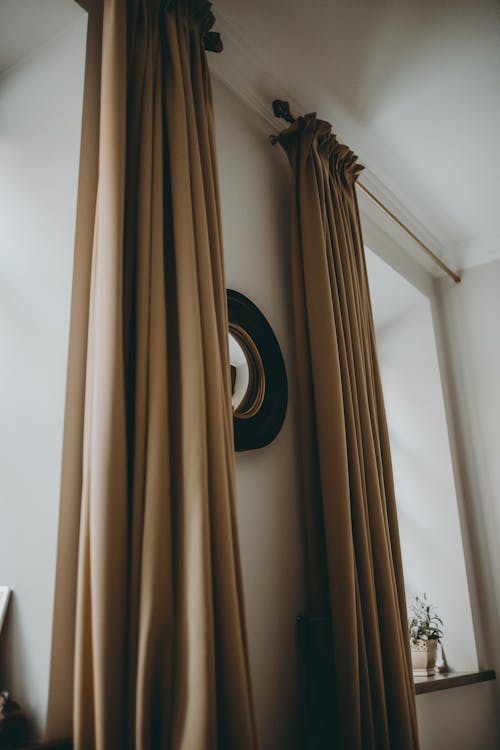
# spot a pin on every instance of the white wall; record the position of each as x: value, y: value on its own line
x: 470, y: 321
x: 40, y: 121
x: 462, y: 718
x: 255, y: 186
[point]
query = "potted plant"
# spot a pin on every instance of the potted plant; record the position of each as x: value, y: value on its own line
x: 425, y: 633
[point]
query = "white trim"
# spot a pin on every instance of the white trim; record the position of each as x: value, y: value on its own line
x: 4, y: 602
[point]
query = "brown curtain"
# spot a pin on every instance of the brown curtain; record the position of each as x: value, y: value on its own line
x: 357, y: 603
x: 161, y: 655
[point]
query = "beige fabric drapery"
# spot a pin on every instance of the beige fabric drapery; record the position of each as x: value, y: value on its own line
x: 160, y: 648
x: 355, y: 571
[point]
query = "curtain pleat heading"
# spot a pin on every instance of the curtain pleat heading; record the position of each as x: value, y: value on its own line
x: 364, y: 686
x: 161, y: 654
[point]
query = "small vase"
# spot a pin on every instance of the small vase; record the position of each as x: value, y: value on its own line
x: 423, y: 657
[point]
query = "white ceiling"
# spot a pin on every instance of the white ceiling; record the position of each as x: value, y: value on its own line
x: 413, y: 86
x: 28, y: 24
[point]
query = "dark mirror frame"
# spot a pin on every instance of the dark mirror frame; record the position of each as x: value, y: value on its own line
x: 262, y: 428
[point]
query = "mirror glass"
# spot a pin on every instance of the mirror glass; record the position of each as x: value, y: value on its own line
x: 240, y: 371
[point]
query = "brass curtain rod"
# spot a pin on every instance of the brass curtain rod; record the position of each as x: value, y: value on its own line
x: 281, y: 109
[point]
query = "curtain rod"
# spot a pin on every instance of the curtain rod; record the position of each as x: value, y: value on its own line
x: 281, y: 109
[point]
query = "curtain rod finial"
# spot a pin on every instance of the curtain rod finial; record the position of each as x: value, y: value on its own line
x: 281, y: 109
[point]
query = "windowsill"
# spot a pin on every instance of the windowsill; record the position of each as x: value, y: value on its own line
x: 451, y: 680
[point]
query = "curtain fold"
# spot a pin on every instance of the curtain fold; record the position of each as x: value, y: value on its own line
x: 161, y: 654
x: 363, y: 672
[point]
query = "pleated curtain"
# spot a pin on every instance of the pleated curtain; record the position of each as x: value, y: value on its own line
x: 160, y: 646
x: 362, y: 677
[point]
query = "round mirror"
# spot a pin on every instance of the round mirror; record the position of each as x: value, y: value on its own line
x: 258, y: 376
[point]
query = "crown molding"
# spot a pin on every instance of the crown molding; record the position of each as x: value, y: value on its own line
x: 243, y: 70
x: 478, y: 250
